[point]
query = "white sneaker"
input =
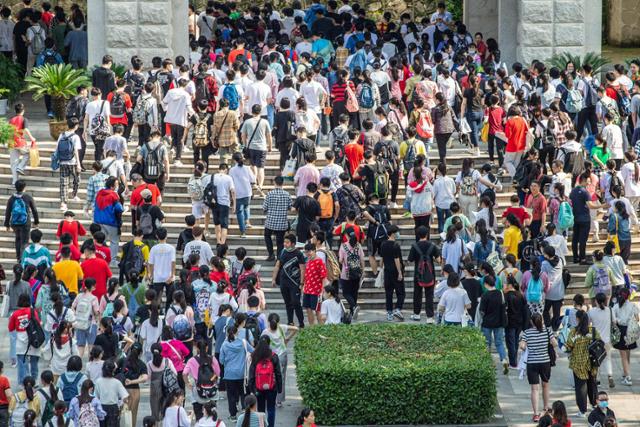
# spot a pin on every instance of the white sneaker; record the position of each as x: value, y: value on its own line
x: 415, y: 317
x: 431, y: 320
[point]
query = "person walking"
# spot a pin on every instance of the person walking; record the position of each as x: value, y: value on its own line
x: 536, y: 341
x: 20, y: 210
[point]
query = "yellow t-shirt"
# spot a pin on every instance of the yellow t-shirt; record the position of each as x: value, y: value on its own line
x: 512, y: 237
x: 69, y: 272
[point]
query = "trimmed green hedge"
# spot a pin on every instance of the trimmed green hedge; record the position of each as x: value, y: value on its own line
x: 395, y: 374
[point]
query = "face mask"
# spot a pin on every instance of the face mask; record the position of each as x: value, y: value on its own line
x: 603, y: 405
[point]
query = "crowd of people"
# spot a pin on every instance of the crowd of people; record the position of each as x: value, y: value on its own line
x: 191, y: 320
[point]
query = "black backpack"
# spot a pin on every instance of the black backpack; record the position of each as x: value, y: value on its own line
x: 205, y: 384
x: 35, y: 333
x: 597, y: 350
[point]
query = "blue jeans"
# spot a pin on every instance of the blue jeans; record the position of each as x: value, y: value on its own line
x: 443, y: 214
x: 27, y: 366
x: 242, y: 212
x: 13, y: 337
x: 474, y: 118
x: 498, y: 336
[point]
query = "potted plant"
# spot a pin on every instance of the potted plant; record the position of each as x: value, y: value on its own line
x: 10, y: 83
x: 59, y: 81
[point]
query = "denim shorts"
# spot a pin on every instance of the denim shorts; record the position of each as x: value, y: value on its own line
x: 88, y: 336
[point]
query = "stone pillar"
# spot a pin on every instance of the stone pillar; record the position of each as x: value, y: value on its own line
x: 547, y: 27
x: 135, y: 27
x: 624, y: 22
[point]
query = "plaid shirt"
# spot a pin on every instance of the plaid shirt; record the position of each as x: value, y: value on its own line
x: 276, y: 205
x: 96, y: 183
x: 227, y: 133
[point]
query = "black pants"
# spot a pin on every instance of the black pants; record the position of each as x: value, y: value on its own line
x: 292, y: 303
x: 391, y: 284
x: 547, y: 154
x: 350, y: 289
x: 99, y: 144
x: 496, y: 143
x: 556, y: 307
x: 268, y: 241
x: 326, y: 225
x: 428, y: 299
x: 579, y: 240
x: 585, y: 389
x: 422, y: 220
x: 587, y: 114
x: 394, y: 178
x: 83, y: 144
x: 235, y: 393
x: 442, y: 139
x: 143, y: 134
x: 22, y: 238
x: 177, y: 132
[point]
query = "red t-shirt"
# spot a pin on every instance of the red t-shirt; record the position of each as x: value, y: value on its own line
x: 519, y: 212
x: 103, y: 252
x: 75, y: 253
x: 127, y: 104
x: 343, y: 228
x: 4, y: 386
x: 72, y: 227
x: 99, y: 270
x: 314, y: 273
x: 136, y: 199
x: 355, y: 156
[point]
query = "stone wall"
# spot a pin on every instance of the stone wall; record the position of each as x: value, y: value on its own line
x: 624, y: 22
x: 538, y: 29
x: 146, y: 28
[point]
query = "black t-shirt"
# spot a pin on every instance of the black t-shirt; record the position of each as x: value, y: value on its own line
x: 491, y: 306
x: 290, y: 274
x: 109, y: 344
x: 131, y: 371
x: 474, y: 101
x: 474, y: 291
x: 390, y: 250
x: 308, y: 209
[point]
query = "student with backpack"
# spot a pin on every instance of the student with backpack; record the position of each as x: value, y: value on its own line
x: 86, y: 409
x: 201, y: 374
x: 20, y: 209
x: 265, y: 378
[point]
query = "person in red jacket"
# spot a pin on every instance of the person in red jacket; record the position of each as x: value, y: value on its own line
x: 97, y: 268
x: 28, y: 356
x: 71, y: 226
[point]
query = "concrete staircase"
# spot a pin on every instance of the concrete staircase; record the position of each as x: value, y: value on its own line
x: 43, y: 184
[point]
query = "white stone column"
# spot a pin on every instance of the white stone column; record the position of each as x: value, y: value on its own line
x: 146, y: 28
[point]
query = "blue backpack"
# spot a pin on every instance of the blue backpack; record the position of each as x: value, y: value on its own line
x: 366, y: 96
x: 19, y: 214
x: 534, y: 291
x: 230, y: 93
x: 359, y: 61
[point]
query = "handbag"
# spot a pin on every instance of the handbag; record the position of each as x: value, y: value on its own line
x: 615, y: 330
x: 34, y: 157
x: 614, y: 237
x: 245, y: 150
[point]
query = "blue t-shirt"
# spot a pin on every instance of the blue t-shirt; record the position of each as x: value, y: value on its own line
x: 579, y: 197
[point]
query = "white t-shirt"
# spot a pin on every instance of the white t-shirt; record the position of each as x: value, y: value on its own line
x: 243, y: 178
x: 454, y: 300
x: 93, y: 108
x: 198, y: 247
x: 161, y: 256
x: 333, y: 311
x: 224, y: 185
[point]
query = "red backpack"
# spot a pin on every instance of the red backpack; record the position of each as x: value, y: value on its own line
x: 265, y: 375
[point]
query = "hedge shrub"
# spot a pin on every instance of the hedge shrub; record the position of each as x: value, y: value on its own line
x: 395, y: 374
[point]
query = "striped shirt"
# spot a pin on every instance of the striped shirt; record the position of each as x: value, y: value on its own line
x: 537, y: 344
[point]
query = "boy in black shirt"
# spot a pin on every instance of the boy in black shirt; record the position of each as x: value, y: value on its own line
x: 391, y: 253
